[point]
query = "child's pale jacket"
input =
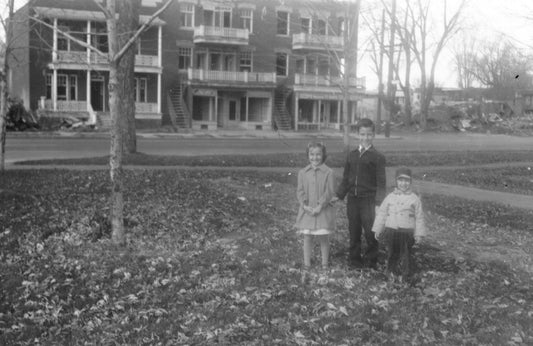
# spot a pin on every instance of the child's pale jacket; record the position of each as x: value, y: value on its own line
x: 316, y: 186
x: 400, y: 210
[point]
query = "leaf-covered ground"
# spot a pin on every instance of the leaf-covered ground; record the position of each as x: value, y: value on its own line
x: 508, y: 179
x: 212, y: 257
x: 335, y: 159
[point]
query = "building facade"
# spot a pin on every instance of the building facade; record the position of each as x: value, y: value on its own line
x: 255, y: 64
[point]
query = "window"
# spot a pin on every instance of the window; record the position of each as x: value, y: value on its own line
x: 283, y: 23
x: 140, y: 89
x: 201, y: 58
x: 305, y: 25
x: 229, y: 62
x: 184, y: 58
x: 49, y: 86
x: 73, y: 87
x: 62, y: 87
x: 320, y: 27
x: 215, y: 62
x: 187, y: 15
x: 221, y: 17
x: 247, y: 19
x: 281, y: 64
x: 62, y: 41
x: 245, y: 62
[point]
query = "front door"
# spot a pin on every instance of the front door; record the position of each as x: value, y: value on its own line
x: 97, y: 95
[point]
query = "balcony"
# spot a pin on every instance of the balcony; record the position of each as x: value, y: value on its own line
x: 213, y: 34
x: 145, y: 107
x: 80, y: 57
x: 304, y: 41
x: 325, y: 81
x: 231, y: 76
x: 66, y: 106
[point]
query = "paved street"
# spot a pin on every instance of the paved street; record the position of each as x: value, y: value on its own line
x: 26, y: 147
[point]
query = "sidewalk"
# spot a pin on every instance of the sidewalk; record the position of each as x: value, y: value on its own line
x: 265, y: 134
x: 419, y: 186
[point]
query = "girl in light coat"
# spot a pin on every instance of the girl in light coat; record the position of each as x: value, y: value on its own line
x: 399, y: 224
x: 316, y: 215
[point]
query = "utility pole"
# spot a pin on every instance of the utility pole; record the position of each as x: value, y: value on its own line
x: 391, y: 67
x: 380, y: 72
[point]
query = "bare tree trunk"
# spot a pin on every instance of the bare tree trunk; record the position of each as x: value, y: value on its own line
x: 115, y: 155
x: 3, y: 115
x: 127, y: 24
x: 3, y: 84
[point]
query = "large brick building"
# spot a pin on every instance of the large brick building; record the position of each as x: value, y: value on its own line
x: 253, y: 64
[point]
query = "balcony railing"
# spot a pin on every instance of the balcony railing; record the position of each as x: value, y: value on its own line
x: 79, y: 57
x: 145, y: 107
x: 66, y: 106
x: 231, y: 76
x: 317, y: 42
x: 213, y: 34
x: 316, y: 80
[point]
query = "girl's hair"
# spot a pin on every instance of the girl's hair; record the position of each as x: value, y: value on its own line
x: 317, y: 145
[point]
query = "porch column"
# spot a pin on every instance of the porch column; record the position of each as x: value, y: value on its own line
x: 88, y: 42
x: 54, y: 89
x: 215, y: 116
x: 296, y: 112
x: 54, y: 43
x: 319, y: 113
x: 339, y: 103
x: 88, y: 82
x: 88, y: 91
x: 159, y: 93
x: 247, y: 109
x: 160, y: 46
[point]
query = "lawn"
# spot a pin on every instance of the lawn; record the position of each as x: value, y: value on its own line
x: 507, y: 179
x: 335, y: 159
x: 212, y: 257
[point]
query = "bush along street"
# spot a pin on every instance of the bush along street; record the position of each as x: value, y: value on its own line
x: 212, y: 257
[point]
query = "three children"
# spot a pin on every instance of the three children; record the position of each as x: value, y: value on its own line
x: 399, y: 221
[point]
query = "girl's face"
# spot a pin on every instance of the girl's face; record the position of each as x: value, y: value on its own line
x: 315, y: 156
x: 403, y: 184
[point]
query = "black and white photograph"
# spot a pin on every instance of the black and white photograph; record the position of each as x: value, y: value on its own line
x: 266, y: 172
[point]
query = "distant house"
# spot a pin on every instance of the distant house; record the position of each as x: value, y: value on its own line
x: 523, y: 102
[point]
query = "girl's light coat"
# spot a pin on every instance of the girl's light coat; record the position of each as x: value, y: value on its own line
x: 400, y: 210
x: 316, y: 186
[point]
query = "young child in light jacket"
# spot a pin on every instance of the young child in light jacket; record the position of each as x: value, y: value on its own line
x: 399, y: 224
x: 316, y: 215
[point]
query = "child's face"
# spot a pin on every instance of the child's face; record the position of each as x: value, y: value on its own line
x: 366, y: 136
x: 315, y: 156
x: 403, y: 184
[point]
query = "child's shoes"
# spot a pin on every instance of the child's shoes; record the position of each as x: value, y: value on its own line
x: 323, y: 278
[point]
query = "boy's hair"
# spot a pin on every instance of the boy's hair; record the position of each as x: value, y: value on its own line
x: 317, y: 145
x: 365, y: 122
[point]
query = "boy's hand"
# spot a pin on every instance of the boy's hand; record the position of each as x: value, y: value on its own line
x: 418, y: 239
x: 308, y: 209
x: 316, y: 210
x: 333, y: 200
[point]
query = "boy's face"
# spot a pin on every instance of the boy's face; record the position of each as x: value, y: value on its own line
x: 403, y: 184
x: 315, y: 156
x: 366, y: 136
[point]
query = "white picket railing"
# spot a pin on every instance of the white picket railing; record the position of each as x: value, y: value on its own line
x: 232, y: 76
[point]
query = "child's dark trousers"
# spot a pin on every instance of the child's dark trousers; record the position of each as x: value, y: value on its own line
x: 399, y: 243
x: 361, y: 213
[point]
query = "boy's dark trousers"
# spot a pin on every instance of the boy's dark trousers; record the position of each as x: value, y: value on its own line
x: 361, y: 213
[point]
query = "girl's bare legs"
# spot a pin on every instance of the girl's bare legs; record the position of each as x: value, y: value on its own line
x: 308, y: 249
x: 324, y: 249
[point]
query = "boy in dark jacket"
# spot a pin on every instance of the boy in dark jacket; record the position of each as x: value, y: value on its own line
x: 364, y: 183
